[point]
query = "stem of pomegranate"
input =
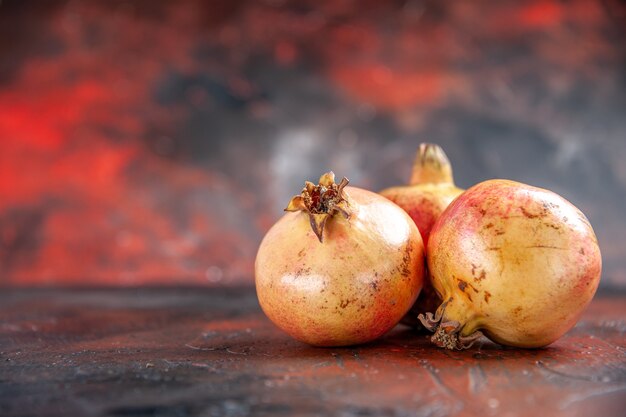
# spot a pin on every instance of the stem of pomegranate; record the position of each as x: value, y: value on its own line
x: 431, y: 166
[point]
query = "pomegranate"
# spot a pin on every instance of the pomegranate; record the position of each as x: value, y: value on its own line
x: 429, y: 192
x: 341, y: 267
x: 515, y: 262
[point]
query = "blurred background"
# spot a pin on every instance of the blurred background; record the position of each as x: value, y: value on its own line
x: 146, y: 142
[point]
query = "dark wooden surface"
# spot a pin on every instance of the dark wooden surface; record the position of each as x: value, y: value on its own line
x: 211, y: 352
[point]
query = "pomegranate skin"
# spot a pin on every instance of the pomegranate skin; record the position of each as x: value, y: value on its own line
x: 429, y: 192
x: 423, y: 203
x: 518, y: 263
x: 349, y: 289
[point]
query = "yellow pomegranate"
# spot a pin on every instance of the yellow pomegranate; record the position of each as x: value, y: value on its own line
x: 341, y: 267
x: 429, y: 192
x: 515, y: 262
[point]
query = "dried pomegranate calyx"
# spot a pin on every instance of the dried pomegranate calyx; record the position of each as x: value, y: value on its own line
x: 447, y: 332
x: 322, y: 201
x: 431, y: 166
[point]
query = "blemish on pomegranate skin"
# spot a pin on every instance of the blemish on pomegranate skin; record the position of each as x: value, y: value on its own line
x: 345, y: 303
x: 582, y: 251
x: 406, y: 261
x: 486, y: 296
x: 462, y: 285
x: 527, y: 213
x: 489, y: 226
x: 303, y: 271
x: 480, y: 277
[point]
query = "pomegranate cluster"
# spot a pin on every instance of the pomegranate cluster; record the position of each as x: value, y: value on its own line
x: 515, y: 263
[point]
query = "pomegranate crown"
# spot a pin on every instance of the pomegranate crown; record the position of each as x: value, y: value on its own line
x: 431, y: 166
x: 322, y: 201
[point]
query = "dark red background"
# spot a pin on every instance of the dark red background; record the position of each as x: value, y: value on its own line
x: 147, y: 142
